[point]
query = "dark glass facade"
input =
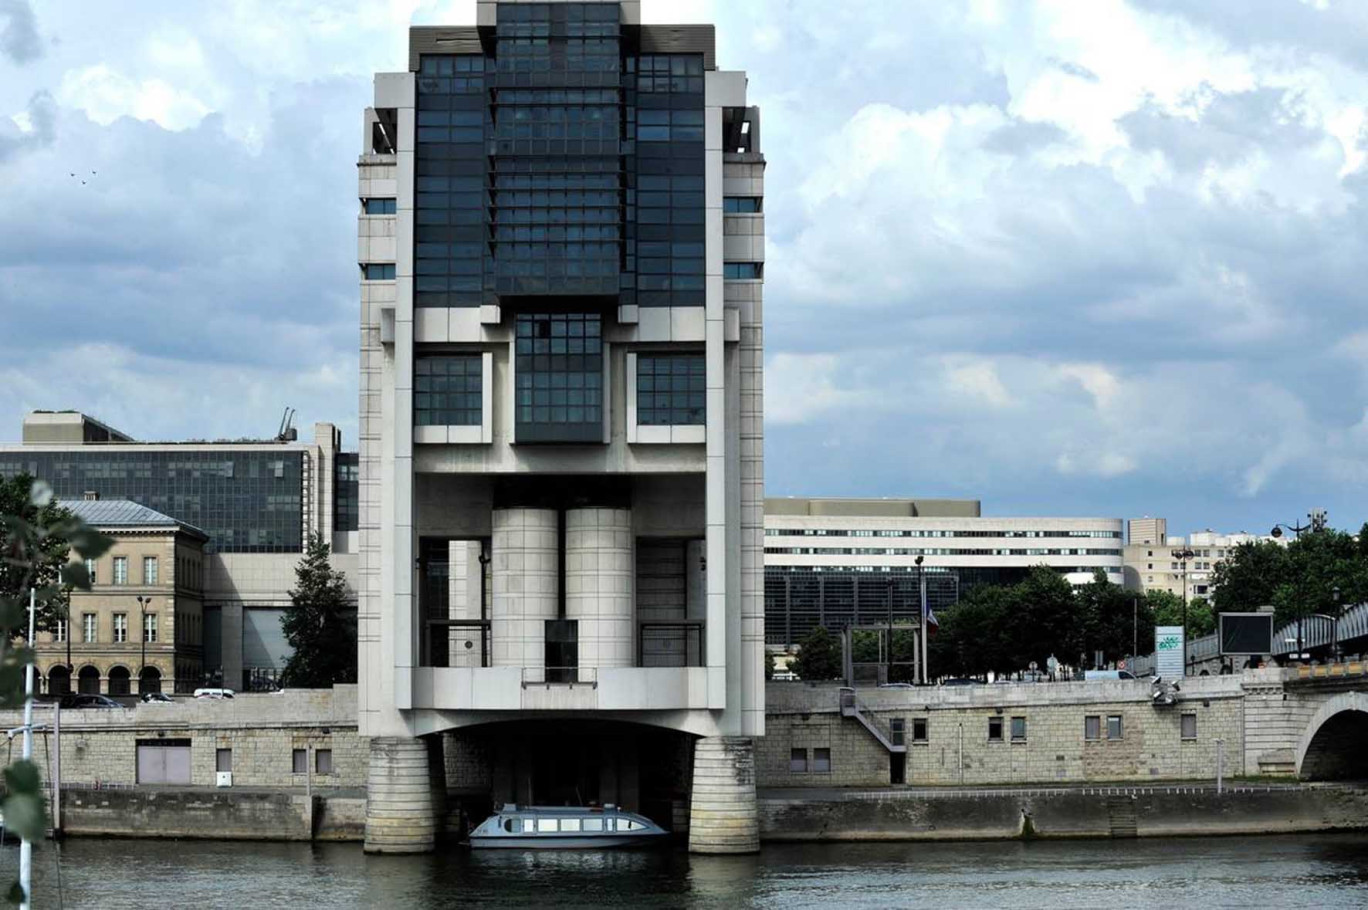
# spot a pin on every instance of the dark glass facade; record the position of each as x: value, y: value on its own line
x: 447, y: 389
x: 347, y: 492
x: 563, y: 163
x: 671, y: 389
x: 559, y: 368
x: 798, y: 599
x: 247, y: 502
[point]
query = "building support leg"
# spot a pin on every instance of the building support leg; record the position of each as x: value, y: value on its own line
x: 399, y: 799
x: 722, y: 812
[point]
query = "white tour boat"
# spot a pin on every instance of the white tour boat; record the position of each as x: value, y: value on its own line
x: 562, y: 828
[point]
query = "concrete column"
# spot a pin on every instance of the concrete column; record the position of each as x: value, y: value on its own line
x: 599, y: 575
x: 526, y: 557
x: 399, y: 802
x: 722, y: 813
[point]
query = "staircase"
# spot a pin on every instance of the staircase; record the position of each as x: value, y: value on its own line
x: 1278, y: 763
x: 851, y: 707
x: 1121, y: 816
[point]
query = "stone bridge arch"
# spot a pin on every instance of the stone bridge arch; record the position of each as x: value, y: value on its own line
x: 1335, y: 742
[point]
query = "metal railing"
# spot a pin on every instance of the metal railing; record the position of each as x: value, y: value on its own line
x: 672, y: 644
x: 560, y: 676
x: 853, y: 707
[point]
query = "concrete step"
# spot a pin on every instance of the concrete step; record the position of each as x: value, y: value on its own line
x: 1121, y: 817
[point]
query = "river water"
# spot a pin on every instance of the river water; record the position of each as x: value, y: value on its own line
x: 1324, y: 871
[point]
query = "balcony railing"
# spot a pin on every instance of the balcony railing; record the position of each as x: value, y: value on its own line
x: 560, y: 676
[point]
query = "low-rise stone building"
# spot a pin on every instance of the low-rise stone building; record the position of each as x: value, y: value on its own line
x: 141, y: 625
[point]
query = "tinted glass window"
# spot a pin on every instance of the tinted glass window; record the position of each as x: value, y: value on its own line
x: 671, y: 389
x: 447, y: 390
x: 559, y: 377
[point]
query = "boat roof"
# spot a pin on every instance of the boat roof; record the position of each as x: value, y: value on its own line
x: 510, y: 809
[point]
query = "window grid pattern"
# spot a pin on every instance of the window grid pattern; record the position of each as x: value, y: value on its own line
x: 380, y: 206
x: 798, y: 601
x: 447, y: 390
x: 120, y: 570
x: 741, y: 205
x: 671, y: 389
x: 247, y: 502
x: 88, y: 628
x: 741, y: 271
x: 150, y: 570
x: 149, y: 627
x: 559, y: 369
x: 347, y: 492
x: 378, y: 271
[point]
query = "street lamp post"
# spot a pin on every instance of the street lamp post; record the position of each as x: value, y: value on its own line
x: 921, y: 602
x: 1316, y: 521
x: 1183, y: 555
x: 142, y: 636
x: 1335, y: 645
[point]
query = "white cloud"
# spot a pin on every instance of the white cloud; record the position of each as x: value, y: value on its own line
x: 106, y: 95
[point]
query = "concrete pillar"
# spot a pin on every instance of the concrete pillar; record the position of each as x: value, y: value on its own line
x: 722, y: 812
x: 599, y: 575
x: 526, y: 556
x: 399, y: 803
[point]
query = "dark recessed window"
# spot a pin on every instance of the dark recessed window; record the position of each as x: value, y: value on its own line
x: 559, y: 377
x: 379, y: 206
x: 1092, y: 727
x: 1189, y: 726
x: 378, y: 271
x: 323, y: 761
x: 1114, y: 730
x: 448, y: 390
x: 743, y: 271
x: 821, y: 761
x: 671, y: 389
x: 223, y: 760
x: 919, y: 729
x: 798, y: 762
x: 1018, y: 729
x: 741, y: 205
x: 299, y: 761
x: 995, y: 729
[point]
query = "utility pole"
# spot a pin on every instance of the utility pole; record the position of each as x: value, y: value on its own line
x: 25, y: 846
x: 1183, y: 555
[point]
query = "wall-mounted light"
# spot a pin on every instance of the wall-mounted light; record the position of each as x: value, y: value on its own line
x: 997, y: 710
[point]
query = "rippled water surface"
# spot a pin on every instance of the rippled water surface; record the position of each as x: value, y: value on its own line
x: 1326, y: 871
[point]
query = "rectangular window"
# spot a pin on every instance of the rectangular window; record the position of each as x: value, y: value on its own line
x: 120, y: 627
x: 60, y: 633
x: 120, y: 570
x: 448, y: 390
x: 1189, y: 726
x: 919, y: 730
x: 741, y: 205
x: 323, y: 761
x: 671, y: 389
x: 149, y: 627
x: 299, y: 761
x: 593, y: 824
x: 223, y: 759
x: 88, y: 627
x: 995, y: 729
x: 821, y: 761
x: 149, y: 570
x: 548, y: 824
x: 1018, y: 729
x: 1092, y: 727
x: 378, y: 271
x: 559, y: 377
x: 379, y: 206
x: 1114, y: 726
x: 798, y: 761
x: 745, y: 271
x: 90, y: 569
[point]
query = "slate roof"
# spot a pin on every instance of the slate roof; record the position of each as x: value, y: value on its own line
x: 122, y: 513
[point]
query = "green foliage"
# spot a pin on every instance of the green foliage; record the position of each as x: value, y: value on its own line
x: 819, y: 656
x: 36, y: 540
x: 319, y: 624
x: 1168, y: 611
x: 769, y: 664
x: 1299, y: 579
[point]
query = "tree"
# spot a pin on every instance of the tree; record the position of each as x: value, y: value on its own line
x: 1114, y: 621
x: 1248, y: 579
x: 48, y: 558
x: 1167, y: 610
x: 32, y: 534
x: 819, y: 656
x: 769, y: 664
x: 1047, y: 620
x: 318, y: 624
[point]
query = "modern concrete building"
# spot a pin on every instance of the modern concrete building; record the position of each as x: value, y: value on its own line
x: 840, y: 562
x: 142, y: 619
x: 257, y: 502
x: 1150, y: 564
x: 561, y: 245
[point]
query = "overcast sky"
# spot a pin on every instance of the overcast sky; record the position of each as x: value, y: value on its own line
x: 1070, y: 258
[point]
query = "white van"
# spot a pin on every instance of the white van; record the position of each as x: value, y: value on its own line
x: 213, y: 693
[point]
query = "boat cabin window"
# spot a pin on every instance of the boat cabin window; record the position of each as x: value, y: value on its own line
x: 569, y: 824
x: 510, y: 825
x: 627, y: 824
x: 593, y: 824
x: 546, y: 824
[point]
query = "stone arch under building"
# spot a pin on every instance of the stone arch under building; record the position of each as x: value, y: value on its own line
x: 120, y: 680
x: 1335, y: 744
x: 88, y: 680
x: 149, y: 681
x: 59, y: 680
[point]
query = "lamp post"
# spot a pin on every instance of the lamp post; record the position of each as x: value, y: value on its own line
x: 1335, y: 645
x: 142, y: 613
x: 921, y: 593
x: 1183, y: 554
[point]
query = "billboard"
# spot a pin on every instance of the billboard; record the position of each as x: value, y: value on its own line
x: 1168, y: 651
x: 1246, y: 634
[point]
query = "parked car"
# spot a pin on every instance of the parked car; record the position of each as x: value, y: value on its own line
x: 214, y: 693
x: 89, y: 701
x: 1093, y: 675
x: 156, y: 698
x: 896, y: 686
x: 959, y: 681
